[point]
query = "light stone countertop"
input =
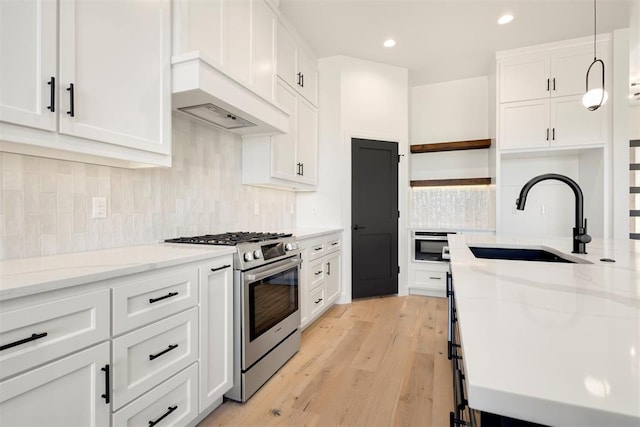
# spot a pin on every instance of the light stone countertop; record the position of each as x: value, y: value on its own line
x: 308, y: 233
x: 27, y: 276
x: 557, y: 344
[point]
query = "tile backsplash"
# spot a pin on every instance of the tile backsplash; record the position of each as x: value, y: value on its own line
x: 46, y: 204
x: 455, y: 208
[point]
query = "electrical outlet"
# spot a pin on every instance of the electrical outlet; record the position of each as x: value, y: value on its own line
x: 256, y: 208
x: 99, y: 207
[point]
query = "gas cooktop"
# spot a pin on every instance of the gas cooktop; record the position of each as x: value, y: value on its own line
x: 230, y: 238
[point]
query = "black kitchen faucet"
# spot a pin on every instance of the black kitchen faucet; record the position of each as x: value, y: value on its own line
x: 580, y: 236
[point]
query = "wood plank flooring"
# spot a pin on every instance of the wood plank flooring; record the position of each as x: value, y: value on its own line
x: 374, y: 362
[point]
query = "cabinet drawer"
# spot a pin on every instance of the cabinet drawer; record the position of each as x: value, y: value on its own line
x: 316, y: 300
x: 153, y: 297
x: 316, y: 251
x: 172, y: 403
x: 333, y: 245
x: 144, y: 358
x: 430, y: 279
x: 316, y: 274
x: 39, y: 333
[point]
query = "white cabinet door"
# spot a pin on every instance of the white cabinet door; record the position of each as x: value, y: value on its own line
x: 67, y: 392
x: 115, y: 72
x: 263, y: 49
x: 237, y: 40
x: 304, y: 286
x: 216, y: 330
x: 524, y: 124
x: 283, y: 147
x: 332, y: 275
x: 568, y: 70
x: 308, y: 70
x: 199, y: 25
x: 524, y: 77
x: 573, y: 124
x: 287, y: 60
x: 28, y: 40
x: 307, y: 146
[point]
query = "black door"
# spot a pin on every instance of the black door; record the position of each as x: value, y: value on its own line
x: 374, y: 218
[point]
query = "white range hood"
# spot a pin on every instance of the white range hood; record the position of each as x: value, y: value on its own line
x: 203, y: 91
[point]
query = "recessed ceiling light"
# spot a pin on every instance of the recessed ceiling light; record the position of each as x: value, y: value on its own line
x: 505, y: 19
x: 389, y: 43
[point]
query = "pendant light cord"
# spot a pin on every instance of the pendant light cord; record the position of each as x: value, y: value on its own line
x: 594, y: 30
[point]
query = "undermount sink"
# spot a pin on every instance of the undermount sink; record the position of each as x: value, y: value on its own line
x: 523, y: 253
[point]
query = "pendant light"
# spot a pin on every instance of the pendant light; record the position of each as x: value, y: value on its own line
x: 594, y: 98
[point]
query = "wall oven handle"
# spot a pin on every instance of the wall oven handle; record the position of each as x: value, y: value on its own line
x: 280, y: 268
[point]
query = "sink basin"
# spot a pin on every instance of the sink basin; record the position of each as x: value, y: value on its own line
x: 521, y: 253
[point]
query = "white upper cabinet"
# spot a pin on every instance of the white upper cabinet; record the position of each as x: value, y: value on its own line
x: 95, y: 75
x: 307, y: 147
x: 28, y: 40
x: 560, y: 72
x: 263, y: 66
x: 540, y: 97
x: 114, y: 79
x: 296, y: 67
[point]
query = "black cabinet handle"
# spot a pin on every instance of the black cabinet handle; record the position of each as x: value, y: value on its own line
x: 33, y: 337
x: 299, y: 79
x: 328, y: 269
x: 554, y: 83
x: 299, y: 169
x: 107, y: 387
x: 302, y: 80
x: 52, y: 94
x: 170, y: 409
x: 71, y: 111
x: 165, y: 351
x: 302, y: 164
x: 318, y: 300
x: 319, y: 248
x: 169, y: 295
x: 547, y: 134
x: 317, y: 273
x: 221, y: 268
x: 553, y: 134
x: 547, y: 85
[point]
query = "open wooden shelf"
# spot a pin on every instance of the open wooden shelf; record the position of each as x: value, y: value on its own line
x: 450, y: 182
x: 474, y: 144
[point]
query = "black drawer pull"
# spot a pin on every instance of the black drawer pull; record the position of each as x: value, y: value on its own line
x: 334, y: 243
x: 107, y: 387
x: 169, y: 295
x: 165, y: 351
x: 317, y: 273
x: 170, y: 409
x: 435, y: 278
x: 52, y: 96
x: 221, y: 268
x: 33, y: 337
x: 319, y: 248
x: 71, y: 111
x: 317, y: 301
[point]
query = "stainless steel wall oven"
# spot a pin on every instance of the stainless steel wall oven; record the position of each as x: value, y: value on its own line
x: 430, y: 246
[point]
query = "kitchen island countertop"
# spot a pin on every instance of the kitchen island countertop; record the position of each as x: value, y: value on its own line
x: 552, y: 343
x: 26, y: 276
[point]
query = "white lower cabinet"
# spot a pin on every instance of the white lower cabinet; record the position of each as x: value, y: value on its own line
x: 321, y: 275
x: 172, y: 403
x: 428, y: 278
x: 70, y: 392
x: 216, y: 331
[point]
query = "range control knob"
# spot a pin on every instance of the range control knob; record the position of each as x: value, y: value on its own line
x: 257, y: 254
x: 248, y: 256
x: 288, y: 246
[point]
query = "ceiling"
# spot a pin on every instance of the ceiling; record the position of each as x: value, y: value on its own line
x: 443, y: 40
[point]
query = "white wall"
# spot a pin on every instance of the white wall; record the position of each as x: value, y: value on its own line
x: 358, y: 99
x: 444, y: 112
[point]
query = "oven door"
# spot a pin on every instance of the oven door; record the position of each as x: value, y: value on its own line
x: 270, y: 307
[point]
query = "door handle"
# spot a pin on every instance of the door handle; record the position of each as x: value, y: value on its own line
x: 358, y: 227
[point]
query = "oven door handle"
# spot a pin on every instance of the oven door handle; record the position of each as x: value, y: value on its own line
x: 270, y: 272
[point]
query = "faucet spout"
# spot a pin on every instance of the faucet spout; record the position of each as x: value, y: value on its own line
x: 580, y: 236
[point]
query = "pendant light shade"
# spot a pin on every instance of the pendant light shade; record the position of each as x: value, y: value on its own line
x: 596, y: 97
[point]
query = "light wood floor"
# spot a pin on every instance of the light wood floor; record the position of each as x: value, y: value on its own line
x: 375, y: 362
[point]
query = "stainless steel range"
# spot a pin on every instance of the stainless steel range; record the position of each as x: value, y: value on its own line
x: 266, y: 304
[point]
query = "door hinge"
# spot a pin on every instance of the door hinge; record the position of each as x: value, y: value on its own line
x: 399, y: 155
